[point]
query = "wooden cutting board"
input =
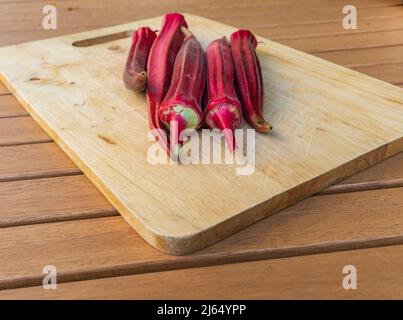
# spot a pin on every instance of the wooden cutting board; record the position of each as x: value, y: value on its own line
x: 329, y: 123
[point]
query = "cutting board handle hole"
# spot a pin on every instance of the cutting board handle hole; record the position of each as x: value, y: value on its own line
x: 102, y: 39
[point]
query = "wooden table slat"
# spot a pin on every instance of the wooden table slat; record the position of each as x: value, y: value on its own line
x: 310, y: 277
x: 49, y: 200
x: 346, y: 41
x: 34, y: 161
x: 3, y: 90
x: 9, y: 107
x: 21, y: 130
x: 392, y: 73
x: 326, y: 29
x: 365, y: 57
x: 311, y: 15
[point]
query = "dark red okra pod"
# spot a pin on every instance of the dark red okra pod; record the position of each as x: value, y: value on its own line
x: 249, y: 80
x: 223, y: 109
x: 160, y: 66
x: 135, y: 73
x: 183, y: 101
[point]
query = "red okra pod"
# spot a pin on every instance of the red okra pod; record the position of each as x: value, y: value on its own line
x: 223, y: 109
x: 135, y: 73
x: 183, y: 101
x: 160, y: 66
x: 249, y: 82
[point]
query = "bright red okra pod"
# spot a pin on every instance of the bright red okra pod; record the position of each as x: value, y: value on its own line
x: 183, y: 102
x: 249, y: 81
x: 135, y: 73
x: 223, y: 109
x: 160, y: 67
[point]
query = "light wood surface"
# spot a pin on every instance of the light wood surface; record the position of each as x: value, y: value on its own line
x: 330, y: 123
x: 22, y: 23
x: 317, y: 277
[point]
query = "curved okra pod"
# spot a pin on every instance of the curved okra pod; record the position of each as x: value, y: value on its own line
x: 160, y: 67
x: 183, y: 101
x: 249, y: 80
x: 135, y: 73
x: 223, y: 109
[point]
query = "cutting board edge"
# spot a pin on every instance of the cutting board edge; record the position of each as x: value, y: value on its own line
x: 183, y: 245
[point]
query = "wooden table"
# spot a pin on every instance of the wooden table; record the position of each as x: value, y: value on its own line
x: 51, y: 215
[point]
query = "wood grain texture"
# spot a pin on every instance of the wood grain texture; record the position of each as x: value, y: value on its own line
x: 9, y: 107
x: 21, y: 130
x: 3, y: 90
x: 365, y: 57
x: 34, y: 161
x: 310, y: 277
x: 386, y: 170
x: 311, y: 14
x: 76, y: 16
x: 392, y: 73
x: 166, y: 214
x: 326, y: 29
x: 104, y: 247
x: 306, y: 21
x: 49, y: 200
x: 346, y: 41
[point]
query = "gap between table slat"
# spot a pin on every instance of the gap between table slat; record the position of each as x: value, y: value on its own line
x: 34, y: 161
x: 21, y: 130
x: 362, y: 186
